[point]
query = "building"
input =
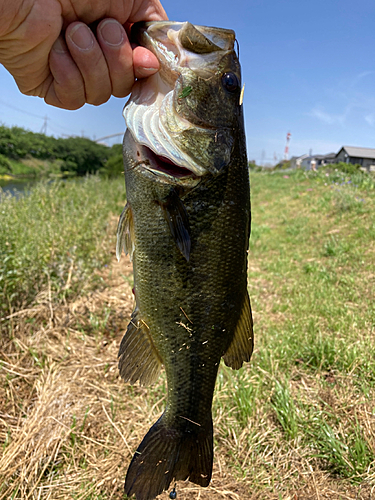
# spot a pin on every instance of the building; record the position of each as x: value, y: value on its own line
x: 363, y: 156
x: 312, y: 162
x: 347, y: 154
x: 295, y: 161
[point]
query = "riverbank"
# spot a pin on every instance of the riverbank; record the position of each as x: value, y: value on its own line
x: 55, y: 236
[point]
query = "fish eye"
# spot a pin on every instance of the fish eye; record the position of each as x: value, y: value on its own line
x: 230, y: 82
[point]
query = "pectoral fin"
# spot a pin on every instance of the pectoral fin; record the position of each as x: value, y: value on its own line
x: 178, y: 221
x: 241, y: 347
x: 125, y: 233
x: 138, y: 357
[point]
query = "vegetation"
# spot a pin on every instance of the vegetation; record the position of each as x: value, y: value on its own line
x: 114, y: 166
x: 24, y: 153
x: 55, y: 236
x: 297, y: 422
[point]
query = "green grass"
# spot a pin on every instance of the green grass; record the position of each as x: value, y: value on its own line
x: 312, y: 284
x: 55, y: 235
x: 296, y: 422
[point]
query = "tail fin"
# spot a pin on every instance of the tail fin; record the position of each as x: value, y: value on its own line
x: 168, y: 454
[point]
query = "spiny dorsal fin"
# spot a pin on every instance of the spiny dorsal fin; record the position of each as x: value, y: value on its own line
x: 178, y: 221
x: 125, y: 233
x: 138, y: 357
x: 242, y: 345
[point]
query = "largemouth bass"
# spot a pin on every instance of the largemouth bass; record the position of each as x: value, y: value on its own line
x: 186, y: 226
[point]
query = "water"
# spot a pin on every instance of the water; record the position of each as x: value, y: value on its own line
x: 16, y: 187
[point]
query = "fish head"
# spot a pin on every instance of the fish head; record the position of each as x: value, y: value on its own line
x: 188, y: 114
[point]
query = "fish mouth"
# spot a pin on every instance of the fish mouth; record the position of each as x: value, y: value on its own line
x: 170, y: 41
x: 159, y: 167
x: 150, y: 113
x: 165, y: 167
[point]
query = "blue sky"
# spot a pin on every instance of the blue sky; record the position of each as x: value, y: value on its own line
x: 309, y: 69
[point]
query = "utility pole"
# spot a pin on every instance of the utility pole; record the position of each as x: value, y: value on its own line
x: 43, y: 130
x: 286, y: 151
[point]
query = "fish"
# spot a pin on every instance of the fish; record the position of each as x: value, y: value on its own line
x: 186, y: 227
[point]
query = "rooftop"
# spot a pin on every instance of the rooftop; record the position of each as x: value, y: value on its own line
x: 359, y: 152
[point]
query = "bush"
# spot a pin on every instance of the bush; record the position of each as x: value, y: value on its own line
x: 114, y: 167
x: 5, y: 167
x: 79, y: 155
x: 348, y: 168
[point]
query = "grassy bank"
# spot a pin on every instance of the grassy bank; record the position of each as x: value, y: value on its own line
x: 297, y: 423
x: 308, y: 398
x: 29, y: 168
x: 54, y: 236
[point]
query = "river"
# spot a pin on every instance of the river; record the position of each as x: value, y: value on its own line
x: 16, y: 187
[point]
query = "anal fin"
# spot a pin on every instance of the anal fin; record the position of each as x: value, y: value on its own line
x: 125, y: 233
x: 138, y: 356
x: 241, y: 347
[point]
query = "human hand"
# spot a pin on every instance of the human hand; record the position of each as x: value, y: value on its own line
x: 51, y: 52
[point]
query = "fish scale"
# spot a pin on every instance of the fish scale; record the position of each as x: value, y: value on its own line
x: 190, y: 238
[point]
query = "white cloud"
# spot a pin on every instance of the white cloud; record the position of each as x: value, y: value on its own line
x: 370, y: 119
x: 360, y: 77
x: 330, y: 118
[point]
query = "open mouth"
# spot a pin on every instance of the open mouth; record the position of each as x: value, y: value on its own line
x: 165, y: 166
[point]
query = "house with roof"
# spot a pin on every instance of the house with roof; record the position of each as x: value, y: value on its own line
x: 295, y: 161
x: 347, y: 154
x: 311, y: 162
x: 363, y: 156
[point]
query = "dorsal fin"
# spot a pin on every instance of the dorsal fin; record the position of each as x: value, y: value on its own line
x: 241, y: 347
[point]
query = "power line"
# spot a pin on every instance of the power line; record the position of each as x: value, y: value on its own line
x: 109, y: 136
x: 34, y: 116
x: 45, y: 118
x: 21, y: 110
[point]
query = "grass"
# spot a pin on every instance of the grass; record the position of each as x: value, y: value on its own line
x: 54, y: 237
x: 29, y: 167
x: 296, y: 423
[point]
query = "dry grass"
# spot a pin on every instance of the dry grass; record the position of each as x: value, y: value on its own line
x: 69, y: 426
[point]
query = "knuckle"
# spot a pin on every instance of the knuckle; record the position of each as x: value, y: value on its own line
x: 99, y: 99
x: 65, y: 102
x: 121, y: 92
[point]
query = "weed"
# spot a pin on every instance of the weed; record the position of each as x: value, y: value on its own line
x: 285, y: 410
x: 54, y: 237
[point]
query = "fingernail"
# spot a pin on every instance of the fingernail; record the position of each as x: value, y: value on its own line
x: 82, y: 37
x: 59, y: 46
x: 148, y: 70
x: 111, y: 32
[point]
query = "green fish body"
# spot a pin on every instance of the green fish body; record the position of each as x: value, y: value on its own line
x: 187, y: 227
